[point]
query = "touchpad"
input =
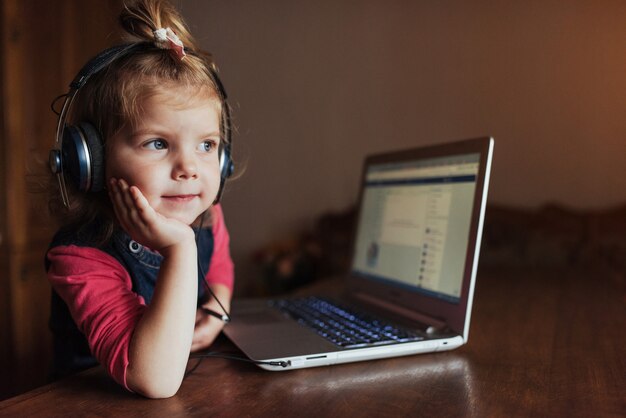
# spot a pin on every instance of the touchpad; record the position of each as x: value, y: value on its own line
x: 268, y: 316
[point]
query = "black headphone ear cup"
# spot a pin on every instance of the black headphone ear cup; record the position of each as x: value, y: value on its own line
x: 96, y: 151
x: 83, y: 157
x: 226, y: 169
x: 74, y: 157
x: 226, y: 163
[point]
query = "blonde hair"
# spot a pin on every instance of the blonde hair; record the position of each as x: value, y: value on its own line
x: 111, y: 98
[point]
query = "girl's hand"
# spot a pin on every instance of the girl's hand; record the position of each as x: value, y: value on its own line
x: 207, y: 326
x: 142, y: 222
x: 206, y: 330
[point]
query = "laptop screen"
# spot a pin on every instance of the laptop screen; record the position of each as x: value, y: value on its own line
x: 415, y: 221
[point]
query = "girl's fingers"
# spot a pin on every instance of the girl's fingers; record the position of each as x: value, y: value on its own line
x: 116, y: 199
x: 131, y: 207
x: 127, y: 198
x: 143, y: 208
x: 124, y: 204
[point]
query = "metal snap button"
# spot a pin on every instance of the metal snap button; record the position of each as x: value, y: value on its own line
x: 134, y: 246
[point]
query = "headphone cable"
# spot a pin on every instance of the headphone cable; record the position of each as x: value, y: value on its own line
x: 226, y: 317
x: 228, y: 356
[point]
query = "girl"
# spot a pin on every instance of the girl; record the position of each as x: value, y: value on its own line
x: 128, y: 265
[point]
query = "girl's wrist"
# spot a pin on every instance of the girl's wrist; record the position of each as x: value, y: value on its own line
x: 182, y: 248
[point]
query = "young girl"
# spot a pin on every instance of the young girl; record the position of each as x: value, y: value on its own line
x: 128, y: 265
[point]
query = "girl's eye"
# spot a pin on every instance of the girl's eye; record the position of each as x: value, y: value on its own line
x: 156, y: 144
x: 207, y: 146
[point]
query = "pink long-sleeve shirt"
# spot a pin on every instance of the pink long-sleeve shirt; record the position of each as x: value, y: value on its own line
x: 98, y: 292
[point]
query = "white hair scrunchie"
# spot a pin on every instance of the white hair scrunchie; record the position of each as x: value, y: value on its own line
x: 165, y: 38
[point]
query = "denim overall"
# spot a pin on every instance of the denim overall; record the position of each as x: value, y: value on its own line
x: 71, y: 351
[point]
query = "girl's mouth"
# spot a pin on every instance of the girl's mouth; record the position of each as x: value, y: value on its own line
x: 180, y: 198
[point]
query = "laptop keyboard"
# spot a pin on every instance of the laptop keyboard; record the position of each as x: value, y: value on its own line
x: 342, y: 325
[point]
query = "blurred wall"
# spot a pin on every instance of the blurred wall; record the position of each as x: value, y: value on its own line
x: 316, y: 86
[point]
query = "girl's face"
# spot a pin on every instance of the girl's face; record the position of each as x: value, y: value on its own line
x: 171, y: 154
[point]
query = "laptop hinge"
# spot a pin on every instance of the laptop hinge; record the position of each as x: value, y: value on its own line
x: 433, y: 324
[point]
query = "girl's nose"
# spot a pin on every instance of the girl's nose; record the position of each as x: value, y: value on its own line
x: 185, y: 167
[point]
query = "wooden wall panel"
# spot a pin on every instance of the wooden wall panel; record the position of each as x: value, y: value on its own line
x: 12, y: 185
x: 44, y: 44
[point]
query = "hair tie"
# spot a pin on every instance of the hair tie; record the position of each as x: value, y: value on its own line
x: 165, y: 38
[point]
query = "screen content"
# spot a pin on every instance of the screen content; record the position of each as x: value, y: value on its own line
x: 414, y: 225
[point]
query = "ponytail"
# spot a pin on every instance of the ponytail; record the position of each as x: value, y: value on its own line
x: 141, y: 18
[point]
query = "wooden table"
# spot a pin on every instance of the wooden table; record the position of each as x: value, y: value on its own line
x: 542, y: 343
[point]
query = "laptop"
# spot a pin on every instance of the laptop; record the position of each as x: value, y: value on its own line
x: 414, y: 261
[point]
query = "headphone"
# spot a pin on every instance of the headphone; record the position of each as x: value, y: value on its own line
x: 78, y: 155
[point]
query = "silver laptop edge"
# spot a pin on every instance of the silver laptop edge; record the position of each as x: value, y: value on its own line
x: 479, y: 235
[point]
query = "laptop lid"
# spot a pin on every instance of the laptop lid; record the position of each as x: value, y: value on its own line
x: 418, y: 233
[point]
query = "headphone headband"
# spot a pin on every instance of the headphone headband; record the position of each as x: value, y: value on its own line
x: 102, y: 60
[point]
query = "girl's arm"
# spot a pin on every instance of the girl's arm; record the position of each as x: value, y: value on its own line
x: 98, y: 292
x: 160, y: 345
